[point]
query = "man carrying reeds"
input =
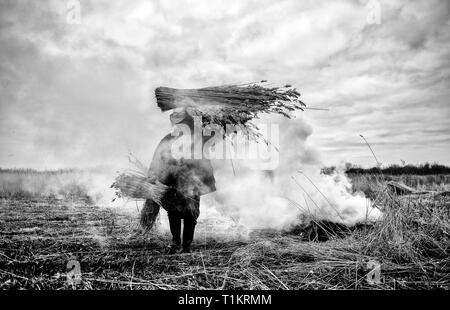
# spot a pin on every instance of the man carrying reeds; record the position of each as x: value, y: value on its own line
x: 187, y: 179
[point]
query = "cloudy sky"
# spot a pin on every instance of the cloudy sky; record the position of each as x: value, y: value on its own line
x: 81, y: 94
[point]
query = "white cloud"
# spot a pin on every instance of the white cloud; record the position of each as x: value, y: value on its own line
x: 83, y: 94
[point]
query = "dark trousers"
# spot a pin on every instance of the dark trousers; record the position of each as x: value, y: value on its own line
x: 189, y: 222
x: 180, y: 207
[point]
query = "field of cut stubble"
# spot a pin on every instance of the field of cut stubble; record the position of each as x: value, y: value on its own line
x: 40, y: 235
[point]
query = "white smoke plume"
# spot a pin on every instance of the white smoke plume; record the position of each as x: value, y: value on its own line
x: 247, y: 197
x: 295, y: 190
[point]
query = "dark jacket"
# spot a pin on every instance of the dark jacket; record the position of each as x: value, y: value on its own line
x: 190, y: 177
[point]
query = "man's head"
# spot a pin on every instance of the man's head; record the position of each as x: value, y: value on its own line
x: 182, y: 116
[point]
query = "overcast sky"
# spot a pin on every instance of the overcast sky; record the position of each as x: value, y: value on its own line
x: 75, y: 95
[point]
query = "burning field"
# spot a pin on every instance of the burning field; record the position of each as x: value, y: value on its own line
x: 44, y: 234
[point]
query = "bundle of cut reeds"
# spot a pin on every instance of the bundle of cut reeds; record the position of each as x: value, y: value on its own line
x: 234, y: 104
x: 133, y: 184
x: 140, y: 184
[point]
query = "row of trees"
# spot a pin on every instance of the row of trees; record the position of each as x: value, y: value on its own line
x: 394, y: 169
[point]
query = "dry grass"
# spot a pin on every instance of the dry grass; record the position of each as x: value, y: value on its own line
x: 21, y: 183
x: 40, y: 235
x: 372, y: 184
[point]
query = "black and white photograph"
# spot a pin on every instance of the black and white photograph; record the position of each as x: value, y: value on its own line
x: 245, y: 147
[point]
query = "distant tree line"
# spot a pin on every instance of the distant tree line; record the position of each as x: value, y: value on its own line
x: 394, y: 169
x: 34, y: 171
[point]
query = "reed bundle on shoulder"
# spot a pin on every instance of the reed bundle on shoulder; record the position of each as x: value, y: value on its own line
x: 235, y: 104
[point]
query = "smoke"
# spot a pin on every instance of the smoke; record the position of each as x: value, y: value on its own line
x: 250, y: 194
x: 250, y: 197
x: 290, y: 194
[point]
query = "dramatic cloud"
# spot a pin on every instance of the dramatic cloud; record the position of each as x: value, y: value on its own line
x: 82, y: 94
